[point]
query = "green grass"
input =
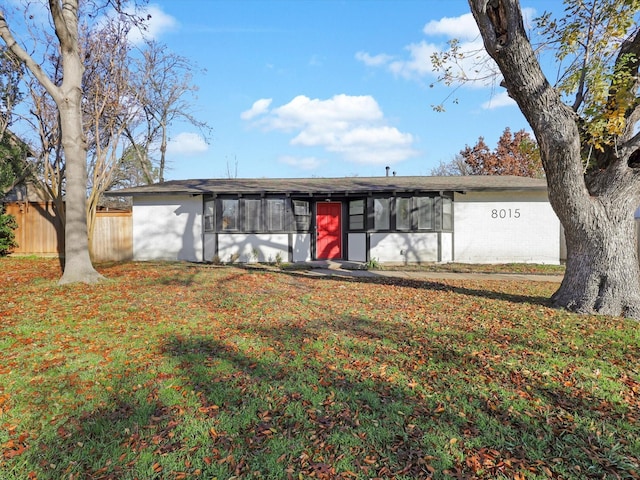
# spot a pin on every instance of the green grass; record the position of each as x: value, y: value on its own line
x: 191, y: 371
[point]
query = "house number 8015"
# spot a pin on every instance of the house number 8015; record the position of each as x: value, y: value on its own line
x: 505, y: 213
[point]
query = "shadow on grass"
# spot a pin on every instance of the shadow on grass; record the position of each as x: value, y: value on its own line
x: 345, y: 397
x: 294, y: 393
x: 119, y: 434
x: 173, y: 274
x: 303, y: 418
x: 430, y: 285
x: 313, y: 400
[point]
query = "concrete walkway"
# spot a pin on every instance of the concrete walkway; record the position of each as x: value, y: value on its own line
x: 354, y: 269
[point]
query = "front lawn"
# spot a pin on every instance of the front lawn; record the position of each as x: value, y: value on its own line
x: 175, y: 371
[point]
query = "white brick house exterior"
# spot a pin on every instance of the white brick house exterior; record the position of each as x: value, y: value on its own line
x: 387, y: 219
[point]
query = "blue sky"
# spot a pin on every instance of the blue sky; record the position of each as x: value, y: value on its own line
x: 327, y: 88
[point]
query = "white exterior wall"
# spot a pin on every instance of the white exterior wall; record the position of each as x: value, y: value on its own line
x: 357, y: 247
x: 505, y: 227
x: 404, y: 247
x: 446, y: 247
x: 167, y: 227
x: 301, y: 247
x: 268, y: 246
x: 209, y: 246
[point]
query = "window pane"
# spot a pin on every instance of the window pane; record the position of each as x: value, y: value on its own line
x: 275, y: 214
x: 403, y: 213
x: 447, y: 214
x: 302, y: 215
x: 425, y: 213
x: 381, y: 214
x: 300, y: 207
x: 229, y: 214
x: 209, y: 215
x: 252, y: 215
x: 356, y: 215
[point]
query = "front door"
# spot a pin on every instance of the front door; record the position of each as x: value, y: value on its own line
x: 329, y: 227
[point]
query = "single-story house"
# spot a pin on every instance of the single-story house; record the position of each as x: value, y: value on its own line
x: 388, y: 219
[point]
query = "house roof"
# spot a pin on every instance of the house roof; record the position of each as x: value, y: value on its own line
x: 336, y: 186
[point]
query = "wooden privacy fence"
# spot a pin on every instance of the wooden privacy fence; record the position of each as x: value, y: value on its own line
x: 40, y: 232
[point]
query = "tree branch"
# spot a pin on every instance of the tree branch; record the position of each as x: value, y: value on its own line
x: 580, y: 94
x: 58, y: 14
x: 628, y: 59
x: 22, y: 55
x: 553, y: 122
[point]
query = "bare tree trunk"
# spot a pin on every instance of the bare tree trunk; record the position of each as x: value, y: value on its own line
x: 68, y: 98
x: 163, y: 152
x: 602, y: 268
x: 77, y: 265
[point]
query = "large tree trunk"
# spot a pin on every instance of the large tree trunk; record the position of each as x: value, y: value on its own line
x: 602, y: 272
x: 77, y: 264
x: 68, y: 98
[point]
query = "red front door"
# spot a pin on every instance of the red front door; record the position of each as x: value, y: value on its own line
x: 329, y: 240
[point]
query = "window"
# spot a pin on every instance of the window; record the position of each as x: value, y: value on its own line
x: 302, y: 215
x: 425, y: 213
x: 447, y: 214
x: 356, y: 215
x: 275, y: 214
x: 229, y: 214
x: 209, y: 215
x: 403, y: 214
x: 381, y: 213
x: 252, y: 215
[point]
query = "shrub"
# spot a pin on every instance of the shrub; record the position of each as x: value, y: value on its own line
x: 7, y: 237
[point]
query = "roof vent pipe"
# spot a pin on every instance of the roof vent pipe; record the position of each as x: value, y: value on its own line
x: 387, y: 169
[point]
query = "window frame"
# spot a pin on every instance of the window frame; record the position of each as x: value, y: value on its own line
x: 431, y: 209
x: 387, y: 226
x: 209, y: 226
x: 408, y: 227
x: 269, y: 202
x: 301, y: 221
x: 447, y: 218
x: 223, y: 227
x: 252, y: 215
x: 362, y: 215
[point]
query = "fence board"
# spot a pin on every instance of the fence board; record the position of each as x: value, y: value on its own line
x: 113, y: 237
x: 40, y: 232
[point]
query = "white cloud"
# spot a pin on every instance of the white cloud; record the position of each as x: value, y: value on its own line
x: 463, y: 27
x: 337, y: 112
x: 306, y: 163
x: 500, y: 100
x: 373, y: 60
x: 472, y: 64
x: 258, y: 108
x: 158, y: 24
x: 187, y: 143
x: 419, y: 63
x: 351, y: 126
